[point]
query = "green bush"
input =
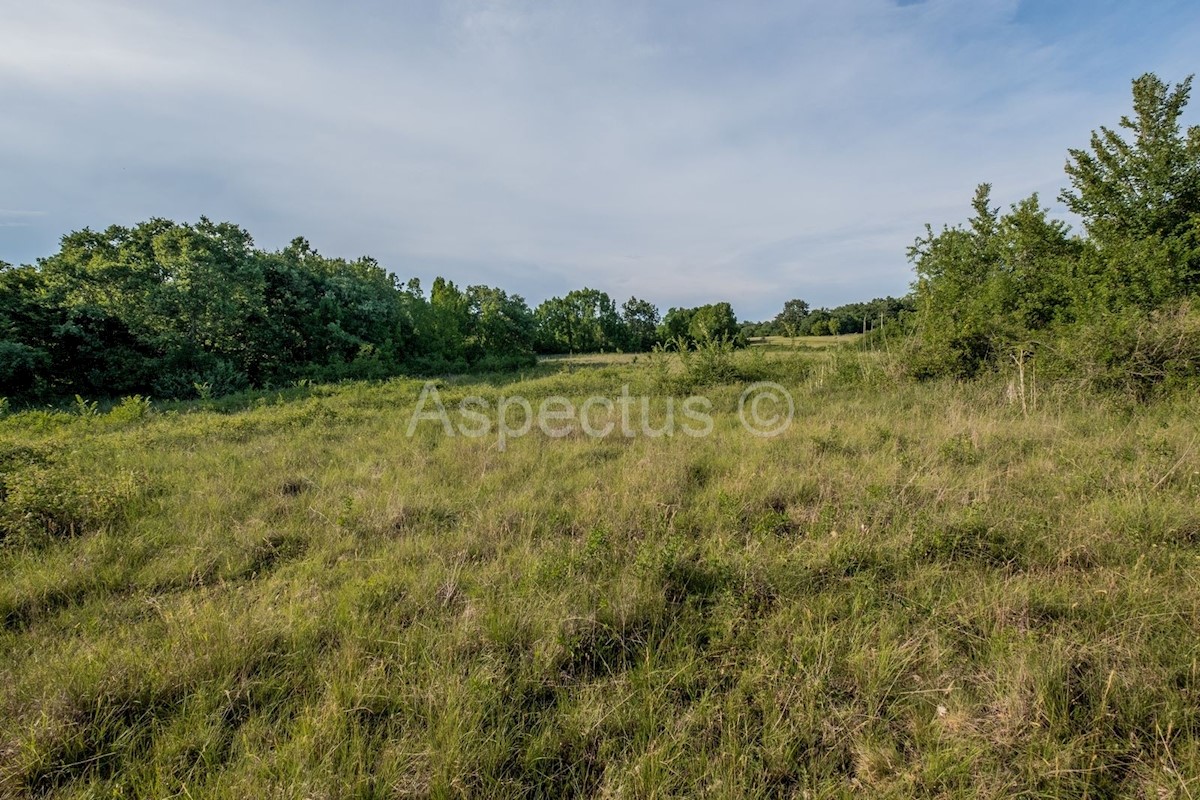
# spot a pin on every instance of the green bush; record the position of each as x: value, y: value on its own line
x: 131, y: 409
x: 1116, y: 300
x: 1133, y: 353
x: 42, y: 500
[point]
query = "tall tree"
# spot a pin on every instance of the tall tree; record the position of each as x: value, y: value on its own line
x: 26, y: 331
x: 1139, y: 198
x: 676, y: 325
x: 451, y: 315
x: 1149, y: 186
x: 501, y: 324
x: 792, y: 317
x: 641, y: 323
x: 713, y: 322
x: 585, y: 321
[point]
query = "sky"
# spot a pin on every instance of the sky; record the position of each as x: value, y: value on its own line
x: 683, y: 151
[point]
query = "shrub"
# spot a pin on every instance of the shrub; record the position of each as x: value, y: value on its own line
x: 710, y: 363
x: 41, y: 500
x: 131, y: 409
x: 1133, y: 353
x: 216, y: 379
x: 86, y: 408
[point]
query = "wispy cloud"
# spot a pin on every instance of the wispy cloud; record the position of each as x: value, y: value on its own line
x: 685, y: 151
x: 15, y: 218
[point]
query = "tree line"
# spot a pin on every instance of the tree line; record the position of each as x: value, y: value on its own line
x: 178, y: 310
x: 798, y: 319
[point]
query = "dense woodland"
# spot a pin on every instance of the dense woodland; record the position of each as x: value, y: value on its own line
x: 176, y: 310
x: 179, y: 310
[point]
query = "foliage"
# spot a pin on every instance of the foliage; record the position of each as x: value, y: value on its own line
x: 703, y: 324
x: 641, y: 320
x: 1147, y: 188
x: 792, y: 317
x: 46, y: 495
x: 584, y: 321
x: 985, y: 289
x: 710, y: 362
x: 1005, y: 286
x: 195, y: 310
x: 131, y: 409
x: 798, y: 319
x: 1131, y: 353
x: 500, y: 324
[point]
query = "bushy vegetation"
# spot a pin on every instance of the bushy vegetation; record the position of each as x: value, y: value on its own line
x: 176, y: 310
x: 1114, y: 308
x: 709, y: 323
x: 182, y: 311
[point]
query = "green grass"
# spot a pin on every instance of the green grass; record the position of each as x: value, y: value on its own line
x: 805, y: 342
x: 917, y: 590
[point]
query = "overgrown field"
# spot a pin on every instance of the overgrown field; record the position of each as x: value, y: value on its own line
x: 917, y: 589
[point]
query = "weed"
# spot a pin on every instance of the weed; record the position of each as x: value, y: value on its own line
x: 85, y: 408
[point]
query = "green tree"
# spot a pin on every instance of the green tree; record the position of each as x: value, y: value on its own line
x: 984, y: 289
x: 144, y: 304
x: 676, y: 325
x: 1139, y: 198
x: 585, y: 321
x: 713, y: 322
x: 641, y: 321
x: 791, y: 318
x: 451, y: 319
x: 501, y: 327
x: 708, y: 323
x: 26, y: 332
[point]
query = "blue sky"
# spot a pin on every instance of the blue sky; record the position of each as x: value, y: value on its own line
x: 682, y: 151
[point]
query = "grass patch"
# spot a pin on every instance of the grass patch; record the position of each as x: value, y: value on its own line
x: 916, y: 590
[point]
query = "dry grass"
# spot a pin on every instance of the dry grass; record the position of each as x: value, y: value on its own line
x: 807, y: 342
x: 916, y: 590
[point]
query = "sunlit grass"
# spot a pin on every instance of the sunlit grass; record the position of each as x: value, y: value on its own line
x: 916, y: 590
x: 810, y: 342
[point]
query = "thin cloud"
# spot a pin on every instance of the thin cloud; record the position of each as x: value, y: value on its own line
x: 748, y: 153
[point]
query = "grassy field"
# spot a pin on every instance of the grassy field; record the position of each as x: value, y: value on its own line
x: 771, y: 344
x: 915, y: 590
x: 810, y: 342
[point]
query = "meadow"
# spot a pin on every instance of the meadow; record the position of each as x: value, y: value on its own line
x: 917, y: 589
